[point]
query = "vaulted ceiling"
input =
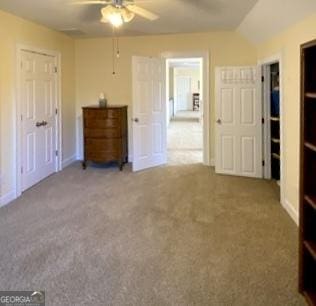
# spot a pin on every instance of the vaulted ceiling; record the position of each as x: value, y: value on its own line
x: 269, y: 17
x: 176, y: 16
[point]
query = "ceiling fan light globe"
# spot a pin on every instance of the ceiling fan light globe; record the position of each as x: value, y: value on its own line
x: 104, y: 20
x: 115, y: 19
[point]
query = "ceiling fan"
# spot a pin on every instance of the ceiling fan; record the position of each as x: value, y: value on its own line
x: 117, y: 12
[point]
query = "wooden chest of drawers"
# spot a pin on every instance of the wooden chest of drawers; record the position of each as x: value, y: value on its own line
x: 105, y: 134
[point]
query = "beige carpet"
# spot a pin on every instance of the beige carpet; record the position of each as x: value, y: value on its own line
x: 185, y: 142
x: 177, y: 235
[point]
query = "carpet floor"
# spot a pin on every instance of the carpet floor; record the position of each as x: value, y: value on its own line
x: 174, y: 235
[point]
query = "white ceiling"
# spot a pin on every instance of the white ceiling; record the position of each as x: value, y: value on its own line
x: 269, y: 17
x: 176, y: 16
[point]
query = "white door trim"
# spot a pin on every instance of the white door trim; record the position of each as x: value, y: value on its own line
x: 18, y: 112
x: 277, y: 58
x: 265, y: 93
x: 205, y: 96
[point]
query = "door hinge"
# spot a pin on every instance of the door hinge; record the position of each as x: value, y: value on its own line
x: 263, y: 163
x: 56, y: 152
x: 56, y: 111
x: 21, y: 117
x: 21, y: 64
x: 262, y: 79
x: 55, y: 69
x: 21, y: 170
x: 262, y: 120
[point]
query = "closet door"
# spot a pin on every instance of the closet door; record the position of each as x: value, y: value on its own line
x: 38, y: 95
x: 238, y: 122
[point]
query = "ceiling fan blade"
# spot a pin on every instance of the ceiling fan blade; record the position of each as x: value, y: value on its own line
x: 103, y: 2
x: 127, y: 15
x: 142, y: 12
x: 137, y: 1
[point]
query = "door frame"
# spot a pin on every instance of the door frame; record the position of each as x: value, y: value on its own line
x: 204, y: 55
x: 264, y: 65
x: 18, y: 113
x: 176, y: 87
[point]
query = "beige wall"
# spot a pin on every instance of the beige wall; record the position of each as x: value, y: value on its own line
x: 13, y: 31
x: 94, y: 63
x: 288, y: 44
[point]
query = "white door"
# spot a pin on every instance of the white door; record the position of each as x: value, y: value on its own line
x: 38, y: 107
x: 183, y: 95
x: 238, y: 122
x: 149, y: 113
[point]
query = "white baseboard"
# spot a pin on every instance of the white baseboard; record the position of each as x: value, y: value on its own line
x: 68, y: 161
x: 7, y: 198
x: 291, y: 211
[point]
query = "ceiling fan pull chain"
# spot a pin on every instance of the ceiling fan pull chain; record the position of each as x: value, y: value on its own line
x: 117, y: 47
x: 113, y: 51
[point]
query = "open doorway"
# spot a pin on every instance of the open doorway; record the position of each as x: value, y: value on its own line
x: 184, y: 110
x: 272, y: 119
x: 152, y: 112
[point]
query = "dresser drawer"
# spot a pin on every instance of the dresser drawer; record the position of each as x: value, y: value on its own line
x: 103, y: 145
x: 102, y: 133
x: 99, y: 123
x: 102, y: 156
x: 102, y: 113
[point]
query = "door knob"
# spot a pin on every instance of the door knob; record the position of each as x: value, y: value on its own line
x: 219, y: 121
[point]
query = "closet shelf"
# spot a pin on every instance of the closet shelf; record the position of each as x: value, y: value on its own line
x: 275, y: 140
x: 310, y: 146
x: 311, y: 247
x: 275, y: 118
x: 276, y: 156
x: 310, y: 95
x: 311, y: 200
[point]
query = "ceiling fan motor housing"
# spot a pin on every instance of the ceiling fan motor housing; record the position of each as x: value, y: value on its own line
x: 118, y: 3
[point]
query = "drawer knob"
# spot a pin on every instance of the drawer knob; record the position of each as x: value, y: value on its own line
x: 135, y: 120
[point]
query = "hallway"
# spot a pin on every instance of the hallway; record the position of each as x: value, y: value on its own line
x: 185, y: 140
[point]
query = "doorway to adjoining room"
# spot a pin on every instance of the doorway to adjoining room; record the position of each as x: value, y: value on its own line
x: 184, y: 111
